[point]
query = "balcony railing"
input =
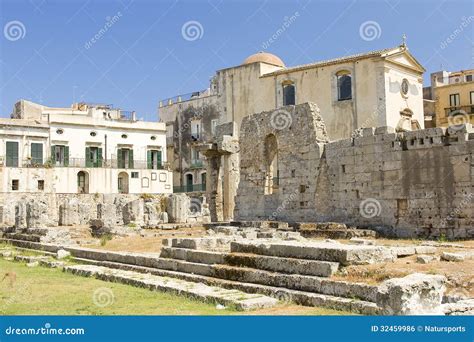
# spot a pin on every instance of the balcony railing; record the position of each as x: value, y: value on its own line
x: 81, y: 163
x: 459, y: 110
x: 196, y: 163
x: 190, y: 188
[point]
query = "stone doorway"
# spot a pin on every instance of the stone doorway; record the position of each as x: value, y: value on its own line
x: 82, y: 182
x: 189, y: 182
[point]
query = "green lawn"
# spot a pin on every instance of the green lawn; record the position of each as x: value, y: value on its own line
x: 46, y: 291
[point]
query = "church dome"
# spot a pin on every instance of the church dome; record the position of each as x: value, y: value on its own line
x: 264, y: 57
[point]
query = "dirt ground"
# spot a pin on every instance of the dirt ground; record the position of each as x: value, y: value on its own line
x: 150, y: 242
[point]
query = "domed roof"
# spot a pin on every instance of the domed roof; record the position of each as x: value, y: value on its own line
x: 264, y: 57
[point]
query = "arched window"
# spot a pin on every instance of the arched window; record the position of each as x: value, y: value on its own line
x: 344, y: 85
x: 271, y: 164
x: 82, y: 182
x: 288, y: 93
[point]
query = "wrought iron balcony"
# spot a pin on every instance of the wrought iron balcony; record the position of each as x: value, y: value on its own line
x: 196, y: 163
x: 81, y: 163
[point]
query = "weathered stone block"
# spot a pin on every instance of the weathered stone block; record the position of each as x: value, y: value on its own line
x: 415, y: 294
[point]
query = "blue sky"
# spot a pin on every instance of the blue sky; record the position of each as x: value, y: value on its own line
x: 47, y: 54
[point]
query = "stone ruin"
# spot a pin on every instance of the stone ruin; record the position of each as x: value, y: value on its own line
x: 401, y: 184
x: 106, y: 214
x: 255, y: 264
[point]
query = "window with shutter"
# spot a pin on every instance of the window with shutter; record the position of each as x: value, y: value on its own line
x: 130, y: 158
x: 12, y: 154
x: 37, y: 153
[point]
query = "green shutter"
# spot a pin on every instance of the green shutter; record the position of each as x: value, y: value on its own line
x: 12, y: 153
x: 66, y: 155
x: 149, y: 163
x: 53, y: 155
x: 36, y: 153
x: 99, y: 157
x: 130, y: 159
x: 158, y: 159
x: 119, y: 158
x: 88, y: 157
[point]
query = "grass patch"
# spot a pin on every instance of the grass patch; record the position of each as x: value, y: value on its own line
x: 46, y: 291
x: 105, y: 238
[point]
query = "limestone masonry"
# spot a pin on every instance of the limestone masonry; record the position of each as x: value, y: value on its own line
x: 407, y: 184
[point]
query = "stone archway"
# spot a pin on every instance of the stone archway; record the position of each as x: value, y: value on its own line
x: 82, y: 182
x: 271, y: 164
x: 123, y: 186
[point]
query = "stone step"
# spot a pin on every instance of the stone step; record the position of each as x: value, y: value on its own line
x: 283, y: 265
x: 337, y: 233
x: 317, y: 285
x: 205, y: 243
x: 262, y: 224
x: 238, y: 299
x: 344, y: 254
x: 36, y: 231
x: 268, y: 263
x: 291, y: 281
x: 281, y: 293
x: 23, y: 237
x: 193, y: 255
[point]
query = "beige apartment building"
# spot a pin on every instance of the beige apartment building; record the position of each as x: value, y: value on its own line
x: 450, y: 98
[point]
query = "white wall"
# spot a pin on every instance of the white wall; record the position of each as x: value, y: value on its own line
x: 76, y: 134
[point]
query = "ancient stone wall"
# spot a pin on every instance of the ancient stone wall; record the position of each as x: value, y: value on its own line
x: 287, y: 190
x: 35, y: 210
x: 410, y: 184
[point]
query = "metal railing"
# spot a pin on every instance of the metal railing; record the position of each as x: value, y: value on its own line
x: 81, y: 163
x: 190, y: 188
x: 180, y: 98
x: 196, y: 163
x: 459, y: 110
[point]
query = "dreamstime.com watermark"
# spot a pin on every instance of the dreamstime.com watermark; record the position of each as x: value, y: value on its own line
x: 14, y: 30
x: 110, y: 21
x: 460, y: 29
x: 370, y: 30
x: 370, y: 207
x: 281, y: 119
x: 287, y: 22
x: 192, y: 30
x: 46, y: 330
x: 458, y: 210
x: 283, y: 206
x: 103, y: 296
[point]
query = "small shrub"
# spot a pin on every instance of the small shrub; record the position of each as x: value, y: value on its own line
x: 146, y: 196
x: 105, y: 238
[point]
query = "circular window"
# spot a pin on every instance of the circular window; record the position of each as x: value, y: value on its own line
x: 153, y: 137
x: 93, y: 134
x: 124, y: 136
x: 59, y: 131
x: 405, y: 86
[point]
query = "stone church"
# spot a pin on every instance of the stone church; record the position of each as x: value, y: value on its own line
x: 372, y: 89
